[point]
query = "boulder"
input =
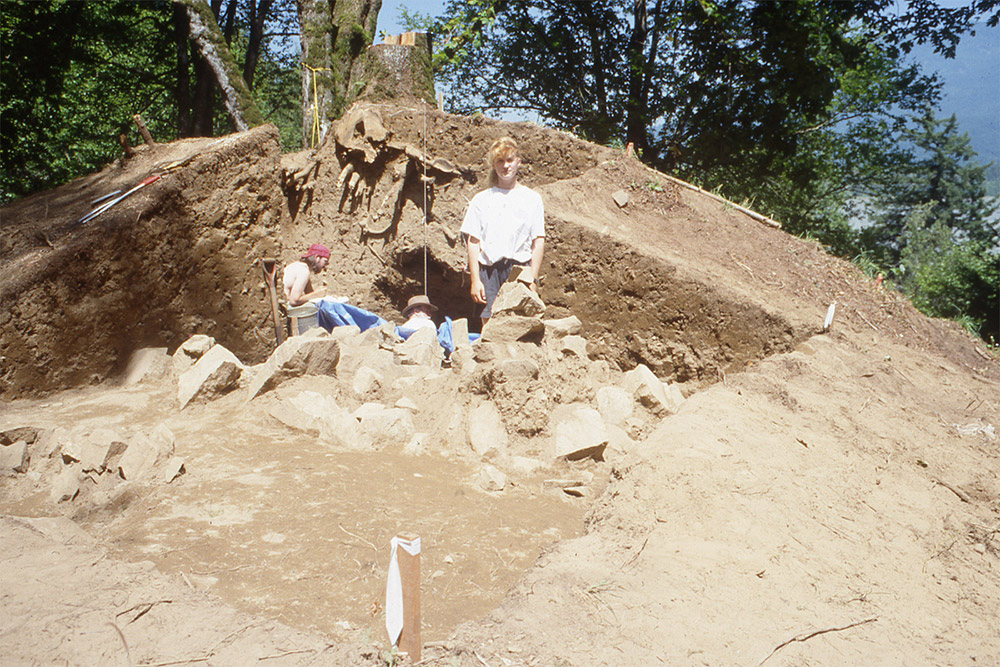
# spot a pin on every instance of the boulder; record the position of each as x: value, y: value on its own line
x: 49, y: 443
x: 578, y: 432
x: 145, y: 452
x: 674, y: 396
x: 615, y: 404
x: 14, y: 458
x: 27, y: 433
x: 297, y: 356
x: 417, y: 444
x: 572, y: 346
x: 491, y: 479
x: 486, y: 433
x: 511, y: 328
x: 341, y: 429
x: 388, y: 426
x: 346, y: 332
x: 567, y: 326
x: 66, y: 484
x: 407, y: 403
x: 147, y: 365
x: 214, y: 374
x: 420, y: 349
x: 619, y: 444
x: 647, y: 388
x: 387, y: 336
x: 463, y: 359
x: 515, y: 298
x: 517, y: 369
x: 367, y: 381
x: 93, y: 450
x: 191, y: 351
x: 460, y: 333
x: 172, y: 469
x: 305, y: 411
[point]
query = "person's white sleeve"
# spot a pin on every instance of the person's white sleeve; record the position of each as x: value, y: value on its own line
x: 538, y: 219
x: 472, y: 225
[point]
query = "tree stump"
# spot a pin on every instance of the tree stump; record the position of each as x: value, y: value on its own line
x: 399, y: 70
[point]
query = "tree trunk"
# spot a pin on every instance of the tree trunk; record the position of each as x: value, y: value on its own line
x: 205, y: 33
x: 258, y: 14
x: 635, y: 108
x: 183, y: 91
x: 335, y: 35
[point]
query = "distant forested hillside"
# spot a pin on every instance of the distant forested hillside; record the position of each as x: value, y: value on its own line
x: 972, y: 93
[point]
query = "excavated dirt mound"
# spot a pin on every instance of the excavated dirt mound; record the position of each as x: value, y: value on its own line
x: 819, y: 498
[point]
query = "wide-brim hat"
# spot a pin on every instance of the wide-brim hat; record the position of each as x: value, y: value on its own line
x: 419, y: 300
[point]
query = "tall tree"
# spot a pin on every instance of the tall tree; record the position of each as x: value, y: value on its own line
x: 335, y: 35
x: 214, y: 50
x: 944, y: 182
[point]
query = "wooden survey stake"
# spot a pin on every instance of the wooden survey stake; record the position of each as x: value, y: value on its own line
x: 409, y: 573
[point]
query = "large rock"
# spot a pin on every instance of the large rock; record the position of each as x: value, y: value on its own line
x: 506, y: 328
x: 567, y: 326
x: 649, y: 390
x: 615, y: 404
x: 572, y: 346
x: 515, y: 298
x: 93, y: 450
x: 460, y: 333
x: 190, y: 351
x: 389, y: 426
x: 147, y: 365
x: 486, y: 432
x: 299, y: 355
x: 66, y: 484
x: 217, y: 372
x: 517, y: 369
x: 14, y: 458
x: 49, y: 443
x: 463, y: 359
x: 420, y: 349
x: 27, y: 433
x: 305, y: 411
x: 674, y: 396
x: 367, y: 381
x: 578, y: 432
x: 491, y: 479
x: 145, y: 452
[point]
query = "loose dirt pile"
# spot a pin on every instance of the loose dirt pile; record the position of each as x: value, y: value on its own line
x: 824, y: 498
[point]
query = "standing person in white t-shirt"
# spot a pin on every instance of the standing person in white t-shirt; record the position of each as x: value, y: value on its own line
x: 504, y: 226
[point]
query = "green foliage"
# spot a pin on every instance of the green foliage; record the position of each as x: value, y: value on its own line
x: 71, y: 79
x: 73, y: 74
x: 943, y: 181
x: 951, y: 279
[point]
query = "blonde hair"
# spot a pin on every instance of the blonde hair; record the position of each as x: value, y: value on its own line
x: 501, y: 149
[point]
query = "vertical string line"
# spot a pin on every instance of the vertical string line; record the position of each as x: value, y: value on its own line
x: 424, y: 181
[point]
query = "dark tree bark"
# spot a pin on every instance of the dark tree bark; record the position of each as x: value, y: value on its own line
x: 335, y: 35
x: 635, y: 108
x: 205, y: 34
x: 183, y: 89
x: 258, y: 14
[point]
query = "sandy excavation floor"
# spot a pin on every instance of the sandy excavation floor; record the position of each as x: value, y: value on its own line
x: 817, y: 499
x: 275, y: 523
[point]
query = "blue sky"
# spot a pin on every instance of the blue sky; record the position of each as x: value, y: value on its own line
x: 389, y: 18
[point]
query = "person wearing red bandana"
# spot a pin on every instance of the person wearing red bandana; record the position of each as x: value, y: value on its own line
x: 297, y: 277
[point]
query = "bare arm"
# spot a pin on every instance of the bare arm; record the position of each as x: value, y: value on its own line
x: 537, y: 251
x: 478, y: 290
x: 296, y: 292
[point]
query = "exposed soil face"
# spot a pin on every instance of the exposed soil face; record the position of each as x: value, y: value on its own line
x: 846, y: 482
x: 176, y: 258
